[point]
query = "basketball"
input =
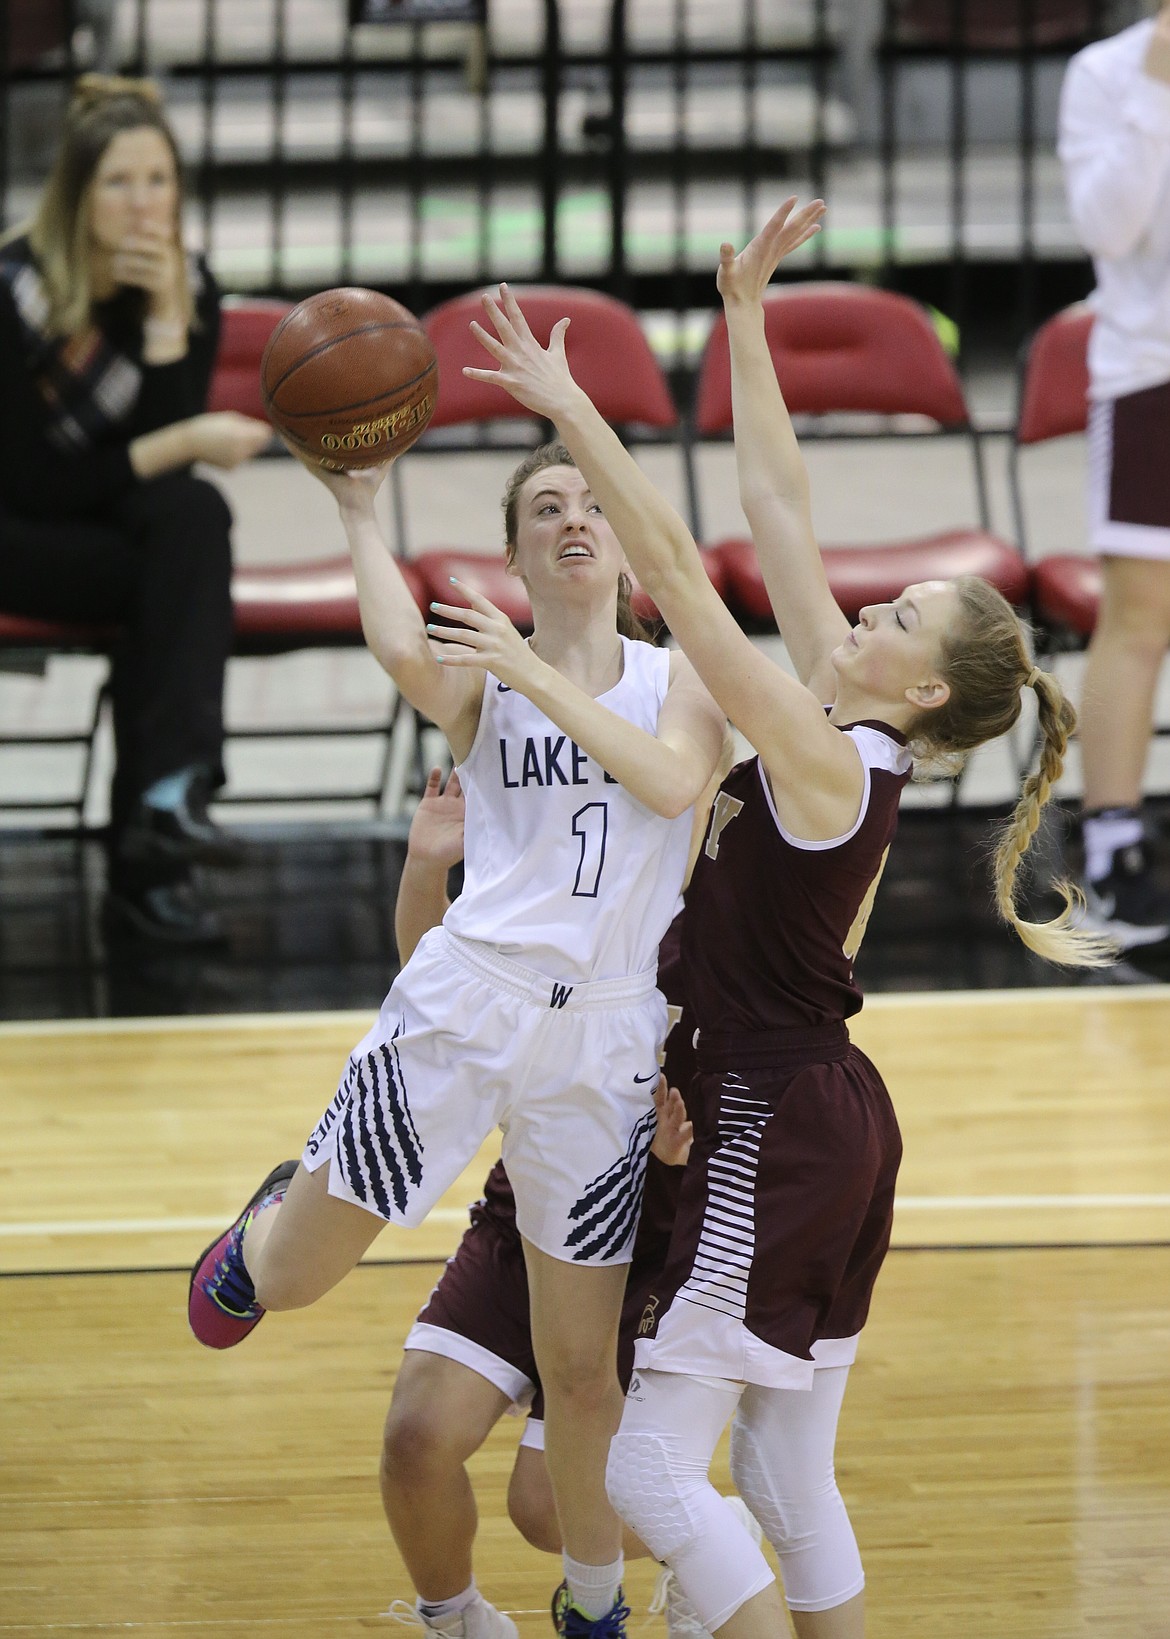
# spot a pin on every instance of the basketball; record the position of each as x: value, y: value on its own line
x: 350, y: 377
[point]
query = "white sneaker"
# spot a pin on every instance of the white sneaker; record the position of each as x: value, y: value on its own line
x: 682, y: 1619
x: 479, y: 1620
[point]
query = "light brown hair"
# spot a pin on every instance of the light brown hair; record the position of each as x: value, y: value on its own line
x: 985, y: 661
x: 101, y: 108
x: 556, y: 455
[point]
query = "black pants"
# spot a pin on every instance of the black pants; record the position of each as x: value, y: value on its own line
x: 158, y: 565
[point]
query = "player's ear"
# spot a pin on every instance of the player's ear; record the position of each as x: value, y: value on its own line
x: 929, y: 696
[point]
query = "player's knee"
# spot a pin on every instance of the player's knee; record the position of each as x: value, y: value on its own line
x: 758, y: 1485
x: 649, y: 1492
x: 415, y: 1442
x: 531, y: 1507
x: 795, y: 1506
x: 579, y: 1375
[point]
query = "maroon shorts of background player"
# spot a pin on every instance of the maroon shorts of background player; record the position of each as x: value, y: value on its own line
x: 1139, y: 479
x: 820, y: 1199
x: 482, y: 1293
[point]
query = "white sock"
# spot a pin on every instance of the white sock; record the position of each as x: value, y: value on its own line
x: 435, y: 1612
x: 1107, y: 833
x: 593, y: 1588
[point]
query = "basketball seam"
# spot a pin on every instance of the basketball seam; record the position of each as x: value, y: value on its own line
x: 343, y: 409
x: 323, y: 347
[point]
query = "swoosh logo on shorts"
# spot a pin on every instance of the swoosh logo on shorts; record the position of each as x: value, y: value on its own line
x: 653, y: 1077
x: 503, y: 688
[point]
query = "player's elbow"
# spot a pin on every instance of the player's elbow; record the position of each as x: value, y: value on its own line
x: 676, y: 804
x: 676, y: 790
x: 677, y: 587
x: 405, y: 656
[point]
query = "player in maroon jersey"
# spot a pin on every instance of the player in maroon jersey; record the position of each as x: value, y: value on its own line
x: 787, y: 1199
x: 469, y: 1356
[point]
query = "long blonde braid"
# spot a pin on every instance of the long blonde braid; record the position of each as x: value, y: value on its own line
x: 985, y: 660
x: 1059, y: 940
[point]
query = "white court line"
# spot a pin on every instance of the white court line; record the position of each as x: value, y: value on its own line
x: 1027, y: 1203
x: 156, y: 1226
x: 458, y: 1215
x: 179, y: 1022
x: 1080, y: 995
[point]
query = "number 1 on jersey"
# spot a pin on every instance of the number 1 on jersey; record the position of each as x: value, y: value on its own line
x: 590, y: 824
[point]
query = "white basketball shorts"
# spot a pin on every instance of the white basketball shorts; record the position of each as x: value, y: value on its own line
x: 468, y: 1040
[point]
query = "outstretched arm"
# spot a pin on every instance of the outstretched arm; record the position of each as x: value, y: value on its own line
x: 803, y: 753
x: 773, y: 480
x: 392, y: 625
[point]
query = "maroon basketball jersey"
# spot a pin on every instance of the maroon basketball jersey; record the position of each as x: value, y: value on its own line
x: 773, y: 922
x: 662, y: 1183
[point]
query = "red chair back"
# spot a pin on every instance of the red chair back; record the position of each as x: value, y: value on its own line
x: 841, y: 347
x: 1054, y: 399
x: 606, y: 347
x: 994, y: 25
x: 246, y: 322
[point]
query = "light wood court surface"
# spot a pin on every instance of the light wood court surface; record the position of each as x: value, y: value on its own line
x: 1005, y: 1448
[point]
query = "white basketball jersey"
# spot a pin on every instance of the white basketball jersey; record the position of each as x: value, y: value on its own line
x: 563, y: 869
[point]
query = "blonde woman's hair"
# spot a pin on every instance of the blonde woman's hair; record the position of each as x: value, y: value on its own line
x: 102, y: 107
x: 985, y: 661
x: 556, y: 455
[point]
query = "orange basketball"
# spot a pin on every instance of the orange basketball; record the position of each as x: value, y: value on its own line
x: 350, y: 377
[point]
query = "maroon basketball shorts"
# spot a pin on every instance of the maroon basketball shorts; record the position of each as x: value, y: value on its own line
x: 478, y: 1315
x: 1129, y: 475
x: 785, y: 1216
x: 478, y: 1312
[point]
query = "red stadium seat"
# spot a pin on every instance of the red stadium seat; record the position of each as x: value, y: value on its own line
x: 1053, y: 402
x: 1066, y: 589
x: 246, y: 322
x: 843, y: 348
x: 605, y: 345
x: 609, y: 356
x: 992, y: 25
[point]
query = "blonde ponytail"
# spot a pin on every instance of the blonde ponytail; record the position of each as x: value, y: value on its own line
x: 1060, y: 940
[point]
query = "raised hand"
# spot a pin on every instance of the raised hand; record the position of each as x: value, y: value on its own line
x: 486, y: 638
x: 436, y: 831
x: 537, y: 377
x: 673, y: 1135
x: 744, y: 278
x: 353, y: 488
x: 151, y: 260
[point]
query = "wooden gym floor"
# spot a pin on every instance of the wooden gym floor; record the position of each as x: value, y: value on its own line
x: 1005, y: 1447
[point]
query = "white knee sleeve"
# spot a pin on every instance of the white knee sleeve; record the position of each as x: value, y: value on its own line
x: 657, y: 1481
x: 782, y: 1464
x: 651, y: 1488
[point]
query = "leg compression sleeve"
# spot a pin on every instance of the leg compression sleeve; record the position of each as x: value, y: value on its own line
x: 782, y: 1462
x: 657, y: 1480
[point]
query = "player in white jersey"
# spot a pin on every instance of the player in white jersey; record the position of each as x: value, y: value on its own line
x: 534, y: 1006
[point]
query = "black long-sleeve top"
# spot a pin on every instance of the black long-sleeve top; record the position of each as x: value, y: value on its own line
x: 40, y: 480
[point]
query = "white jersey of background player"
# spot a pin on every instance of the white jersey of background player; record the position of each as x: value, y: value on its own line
x: 535, y: 1008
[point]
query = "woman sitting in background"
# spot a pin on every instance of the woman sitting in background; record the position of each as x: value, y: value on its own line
x: 108, y: 332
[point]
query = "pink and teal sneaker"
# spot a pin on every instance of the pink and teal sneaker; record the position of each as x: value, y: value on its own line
x: 221, y: 1300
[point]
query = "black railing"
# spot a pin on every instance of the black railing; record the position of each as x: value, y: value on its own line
x: 425, y: 157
